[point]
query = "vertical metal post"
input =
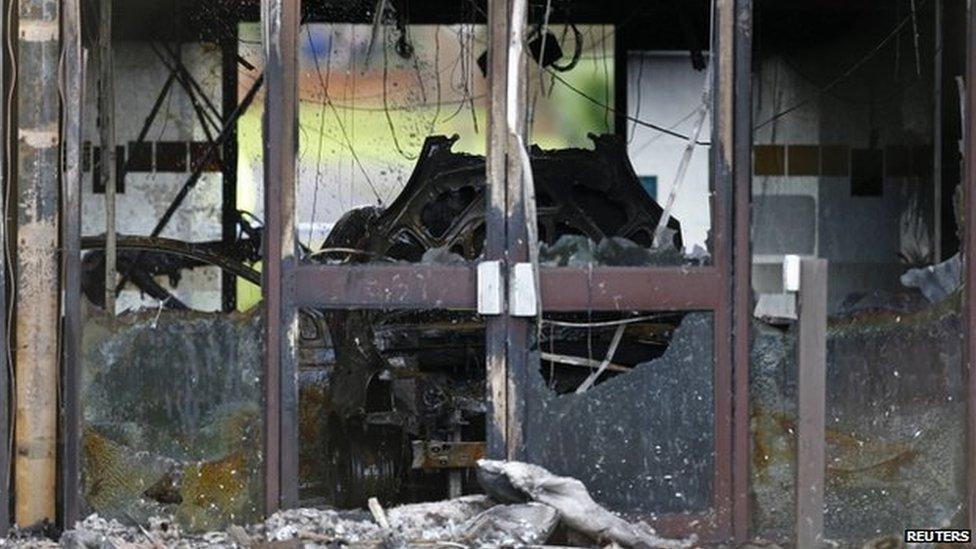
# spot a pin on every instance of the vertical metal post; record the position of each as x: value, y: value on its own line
x: 106, y: 113
x: 228, y: 214
x: 812, y: 394
x: 37, y: 271
x: 723, y: 184
x: 495, y: 244
x: 518, y: 340
x: 742, y: 266
x: 968, y: 247
x: 74, y: 86
x: 937, y: 135
x: 280, y: 20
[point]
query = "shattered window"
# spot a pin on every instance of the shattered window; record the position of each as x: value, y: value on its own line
x: 172, y: 417
x: 171, y: 382
x: 626, y: 405
x: 866, y: 175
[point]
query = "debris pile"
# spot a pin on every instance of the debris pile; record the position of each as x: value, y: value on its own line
x: 524, y: 505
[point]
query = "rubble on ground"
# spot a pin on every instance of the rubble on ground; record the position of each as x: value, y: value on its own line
x: 525, y: 505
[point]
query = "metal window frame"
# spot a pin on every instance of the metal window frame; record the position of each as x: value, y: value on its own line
x: 969, y: 270
x: 71, y: 184
x: 287, y: 285
x: 713, y: 288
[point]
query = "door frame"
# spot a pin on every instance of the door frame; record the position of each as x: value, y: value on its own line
x: 720, y: 287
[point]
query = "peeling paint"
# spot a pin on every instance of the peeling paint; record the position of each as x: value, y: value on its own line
x: 39, y: 138
x: 36, y: 30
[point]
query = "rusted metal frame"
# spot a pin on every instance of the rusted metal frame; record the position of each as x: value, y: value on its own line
x: 630, y: 289
x: 71, y: 182
x: 742, y: 267
x: 723, y: 163
x: 687, y: 289
x: 969, y: 245
x: 280, y: 19
x: 106, y: 127
x: 454, y: 287
x: 385, y: 286
x: 228, y: 185
x: 37, y: 272
x: 811, y: 403
x: 518, y: 330
x: 496, y: 329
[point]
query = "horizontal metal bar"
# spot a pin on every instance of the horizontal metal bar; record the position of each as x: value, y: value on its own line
x: 386, y: 286
x: 455, y: 287
x: 629, y: 288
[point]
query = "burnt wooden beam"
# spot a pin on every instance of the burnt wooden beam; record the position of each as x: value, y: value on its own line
x: 37, y: 270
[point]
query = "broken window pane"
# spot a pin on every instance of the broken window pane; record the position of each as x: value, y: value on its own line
x: 172, y: 390
x: 883, y: 214
x: 640, y: 435
x: 172, y: 407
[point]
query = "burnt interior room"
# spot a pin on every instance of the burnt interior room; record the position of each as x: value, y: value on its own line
x: 706, y: 259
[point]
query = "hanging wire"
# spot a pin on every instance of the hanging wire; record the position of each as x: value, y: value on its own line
x: 842, y: 76
x: 8, y: 263
x: 386, y: 105
x: 639, y: 122
x: 342, y: 126
x: 318, y: 160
